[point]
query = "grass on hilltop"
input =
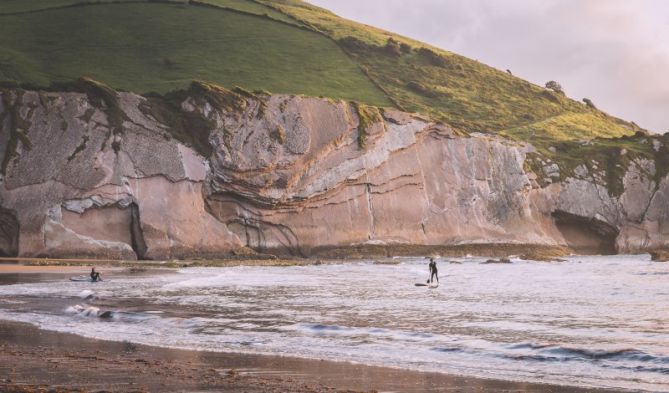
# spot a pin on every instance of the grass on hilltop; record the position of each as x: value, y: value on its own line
x: 585, y: 125
x: 157, y: 47
x: 253, y: 8
x: 332, y: 25
x: 459, y: 91
x: 282, y: 46
x: 25, y: 6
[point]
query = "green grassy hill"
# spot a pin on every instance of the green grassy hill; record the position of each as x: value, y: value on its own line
x: 460, y: 91
x: 284, y: 46
x: 159, y: 47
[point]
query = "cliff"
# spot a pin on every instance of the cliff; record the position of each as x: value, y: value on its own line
x: 213, y: 173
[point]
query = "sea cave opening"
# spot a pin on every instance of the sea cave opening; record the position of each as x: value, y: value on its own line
x: 588, y: 236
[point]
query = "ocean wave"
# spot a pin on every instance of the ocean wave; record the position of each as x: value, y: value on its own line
x: 328, y: 328
x: 552, y: 352
x: 364, y: 331
x: 447, y: 349
x: 620, y: 354
x: 529, y: 346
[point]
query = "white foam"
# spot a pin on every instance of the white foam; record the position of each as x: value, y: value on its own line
x: 86, y: 294
x: 83, y: 311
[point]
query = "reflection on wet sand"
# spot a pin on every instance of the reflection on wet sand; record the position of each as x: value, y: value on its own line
x: 35, y: 357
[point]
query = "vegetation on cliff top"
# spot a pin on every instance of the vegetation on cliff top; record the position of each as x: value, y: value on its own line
x: 289, y: 46
x: 459, y: 91
x: 283, y: 46
x: 606, y: 160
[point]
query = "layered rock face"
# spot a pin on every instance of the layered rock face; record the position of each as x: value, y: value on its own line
x: 317, y: 189
x: 635, y: 222
x: 79, y: 189
x: 292, y: 176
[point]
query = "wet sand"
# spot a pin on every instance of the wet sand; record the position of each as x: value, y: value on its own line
x: 33, y: 360
x: 16, y: 273
x: 174, y: 264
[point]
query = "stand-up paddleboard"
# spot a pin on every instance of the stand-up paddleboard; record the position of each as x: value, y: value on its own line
x: 432, y: 286
x: 84, y: 279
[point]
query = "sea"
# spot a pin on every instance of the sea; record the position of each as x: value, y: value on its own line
x: 590, y: 321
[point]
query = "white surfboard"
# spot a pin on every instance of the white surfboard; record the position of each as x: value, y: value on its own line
x: 84, y: 279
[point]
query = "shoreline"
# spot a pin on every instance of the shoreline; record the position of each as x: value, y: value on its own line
x: 33, y: 359
x: 332, y: 254
x: 173, y: 264
x: 278, y: 262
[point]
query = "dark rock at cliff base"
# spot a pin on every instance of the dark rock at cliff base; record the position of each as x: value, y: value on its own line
x: 545, y: 255
x: 660, y: 256
x: 497, y: 261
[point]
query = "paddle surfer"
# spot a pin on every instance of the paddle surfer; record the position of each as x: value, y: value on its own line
x: 433, y: 271
x: 95, y: 276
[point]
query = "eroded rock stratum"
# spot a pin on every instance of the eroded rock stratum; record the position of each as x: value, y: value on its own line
x: 292, y: 176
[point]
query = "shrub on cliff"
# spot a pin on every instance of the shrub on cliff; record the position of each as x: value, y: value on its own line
x: 405, y: 48
x: 554, y: 86
x: 433, y: 57
x: 367, y: 117
x: 353, y: 43
x: 421, y: 89
x: 588, y: 102
x: 393, y: 48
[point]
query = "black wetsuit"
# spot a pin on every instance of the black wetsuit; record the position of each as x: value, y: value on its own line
x: 95, y: 276
x: 433, y: 271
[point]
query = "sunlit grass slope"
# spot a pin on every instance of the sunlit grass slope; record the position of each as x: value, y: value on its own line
x: 452, y: 88
x: 159, y: 47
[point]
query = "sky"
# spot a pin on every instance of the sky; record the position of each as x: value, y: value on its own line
x: 615, y: 52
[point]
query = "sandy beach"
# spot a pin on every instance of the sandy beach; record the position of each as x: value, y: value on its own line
x: 35, y: 360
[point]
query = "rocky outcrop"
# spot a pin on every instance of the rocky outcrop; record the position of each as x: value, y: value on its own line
x: 79, y: 189
x: 660, y: 255
x: 413, y: 183
x: 636, y: 221
x: 293, y: 176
